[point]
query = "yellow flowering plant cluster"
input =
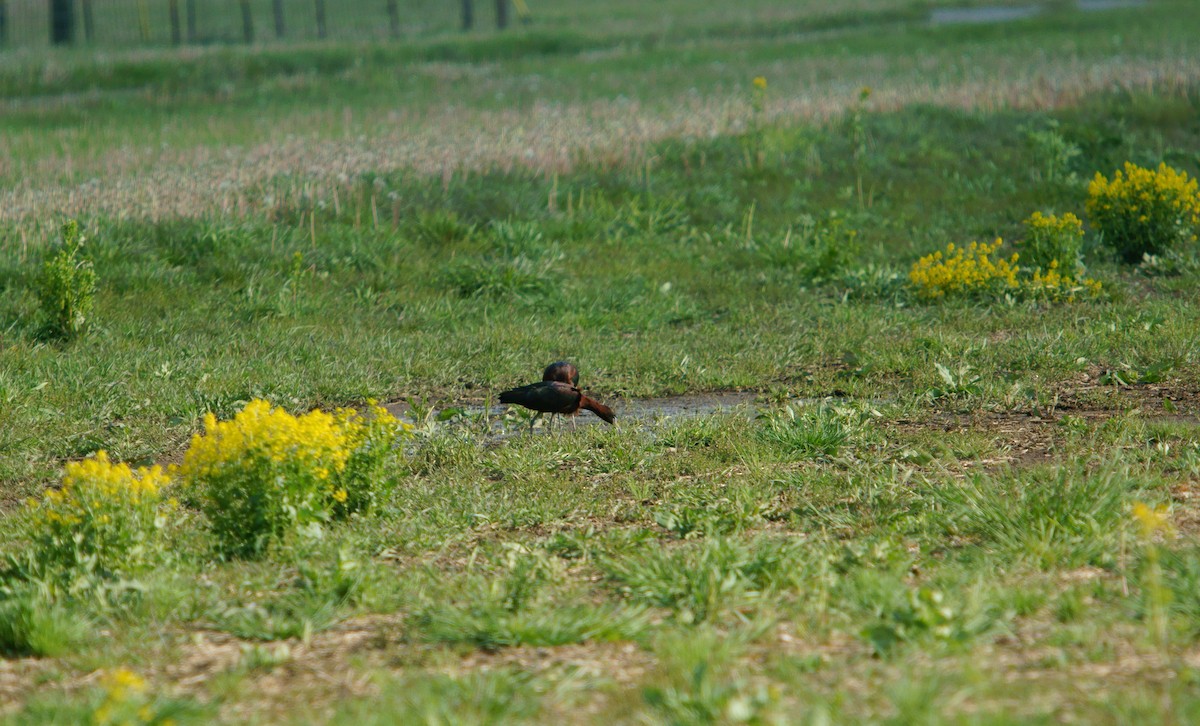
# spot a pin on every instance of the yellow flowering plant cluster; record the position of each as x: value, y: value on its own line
x: 1057, y: 286
x: 1053, y: 245
x: 267, y: 472
x: 104, y: 519
x: 968, y: 271
x: 128, y: 701
x: 755, y: 137
x: 1143, y: 212
x: 1052, y: 253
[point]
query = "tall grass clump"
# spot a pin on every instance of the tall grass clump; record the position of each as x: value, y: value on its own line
x: 66, y: 287
x: 266, y: 472
x: 809, y: 434
x: 32, y: 624
x: 1142, y: 212
x: 818, y: 250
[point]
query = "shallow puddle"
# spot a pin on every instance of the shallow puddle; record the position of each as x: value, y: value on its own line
x: 633, y: 409
x: 987, y: 14
x: 1008, y: 13
x: 1087, y: 5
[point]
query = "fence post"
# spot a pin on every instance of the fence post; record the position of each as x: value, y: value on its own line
x: 190, y: 9
x: 62, y: 21
x: 320, y: 8
x: 143, y: 20
x: 468, y: 14
x: 277, y: 7
x: 173, y: 11
x: 501, y: 14
x: 89, y: 22
x: 247, y: 22
x: 393, y: 8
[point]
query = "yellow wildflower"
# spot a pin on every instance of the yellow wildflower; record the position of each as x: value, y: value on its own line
x: 1152, y: 519
x: 123, y: 682
x: 963, y: 271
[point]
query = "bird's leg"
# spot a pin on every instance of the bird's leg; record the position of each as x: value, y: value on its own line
x: 550, y: 423
x: 533, y: 420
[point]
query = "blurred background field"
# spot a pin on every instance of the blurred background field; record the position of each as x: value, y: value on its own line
x: 222, y: 128
x: 125, y: 23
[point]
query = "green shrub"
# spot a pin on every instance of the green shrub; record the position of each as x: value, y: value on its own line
x: 442, y: 227
x: 513, y: 239
x: 819, y: 250
x: 808, y: 433
x: 66, y: 288
x: 925, y: 614
x: 515, y: 277
x: 34, y: 625
x: 370, y: 438
x: 1144, y: 212
x: 1053, y: 243
x: 1054, y: 151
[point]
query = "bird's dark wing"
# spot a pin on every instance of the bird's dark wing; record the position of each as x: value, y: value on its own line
x: 546, y: 397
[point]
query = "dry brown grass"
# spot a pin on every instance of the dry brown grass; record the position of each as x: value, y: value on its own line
x: 163, y: 181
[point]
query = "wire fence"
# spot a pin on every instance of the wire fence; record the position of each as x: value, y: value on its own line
x: 125, y: 23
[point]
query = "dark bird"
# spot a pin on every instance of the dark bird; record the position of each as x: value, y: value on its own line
x: 555, y: 397
x: 562, y: 371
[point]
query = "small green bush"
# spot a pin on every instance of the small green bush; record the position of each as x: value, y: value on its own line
x: 516, y: 277
x: 1053, y: 243
x: 809, y: 434
x: 34, y: 625
x: 370, y: 438
x: 442, y: 227
x: 66, y: 288
x: 819, y: 250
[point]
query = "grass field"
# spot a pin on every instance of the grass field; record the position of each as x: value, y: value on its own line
x: 860, y: 507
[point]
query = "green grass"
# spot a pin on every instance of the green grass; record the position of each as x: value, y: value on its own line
x: 923, y: 512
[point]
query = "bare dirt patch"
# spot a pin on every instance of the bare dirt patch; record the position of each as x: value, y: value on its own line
x: 330, y: 666
x: 345, y: 662
x: 1096, y: 392
x: 1019, y: 439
